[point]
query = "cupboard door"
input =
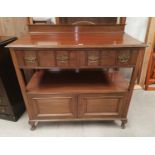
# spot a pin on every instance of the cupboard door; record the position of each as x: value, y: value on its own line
x: 53, y: 106
x: 100, y: 106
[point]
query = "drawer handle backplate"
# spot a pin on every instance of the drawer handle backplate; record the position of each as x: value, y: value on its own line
x: 92, y: 58
x: 30, y: 59
x: 63, y: 58
x: 123, y: 58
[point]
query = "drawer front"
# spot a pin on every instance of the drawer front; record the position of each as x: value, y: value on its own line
x: 53, y: 106
x: 46, y: 58
x: 69, y: 59
x: 32, y: 59
x: 108, y: 58
x: 27, y: 58
x: 100, y: 106
x: 97, y: 58
x: 127, y: 57
x: 66, y: 59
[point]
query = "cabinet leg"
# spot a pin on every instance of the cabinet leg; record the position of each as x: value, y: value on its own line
x: 123, y: 125
x: 33, y: 125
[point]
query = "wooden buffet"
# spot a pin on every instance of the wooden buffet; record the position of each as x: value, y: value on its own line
x: 75, y: 72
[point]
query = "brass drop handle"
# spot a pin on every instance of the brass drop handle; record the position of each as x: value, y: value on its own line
x: 93, y: 58
x: 30, y: 59
x: 123, y: 58
x: 63, y: 58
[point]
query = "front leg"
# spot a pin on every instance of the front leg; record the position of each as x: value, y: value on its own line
x: 123, y: 125
x: 33, y: 125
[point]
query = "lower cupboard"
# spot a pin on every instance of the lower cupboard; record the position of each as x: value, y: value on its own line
x: 77, y: 106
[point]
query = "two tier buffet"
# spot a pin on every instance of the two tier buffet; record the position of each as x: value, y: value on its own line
x: 75, y: 72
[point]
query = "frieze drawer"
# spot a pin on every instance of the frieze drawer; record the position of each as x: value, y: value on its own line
x: 78, y: 59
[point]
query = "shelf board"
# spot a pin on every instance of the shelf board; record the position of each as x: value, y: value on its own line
x: 85, y: 81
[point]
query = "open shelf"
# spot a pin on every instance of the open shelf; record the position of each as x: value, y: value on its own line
x: 69, y: 81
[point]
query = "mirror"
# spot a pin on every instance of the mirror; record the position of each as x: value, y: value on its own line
x: 76, y: 20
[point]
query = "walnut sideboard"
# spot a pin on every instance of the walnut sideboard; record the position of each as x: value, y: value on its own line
x: 74, y: 73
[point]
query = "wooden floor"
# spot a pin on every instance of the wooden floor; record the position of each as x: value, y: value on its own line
x: 141, y: 123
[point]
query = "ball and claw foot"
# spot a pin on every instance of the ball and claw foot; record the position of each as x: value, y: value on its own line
x: 123, y: 125
x: 33, y: 125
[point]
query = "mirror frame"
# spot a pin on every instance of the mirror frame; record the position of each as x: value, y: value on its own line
x: 122, y: 20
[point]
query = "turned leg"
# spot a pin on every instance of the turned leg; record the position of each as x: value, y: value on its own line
x: 33, y: 125
x: 123, y: 124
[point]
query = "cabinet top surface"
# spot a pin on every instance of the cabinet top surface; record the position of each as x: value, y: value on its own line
x: 77, y: 40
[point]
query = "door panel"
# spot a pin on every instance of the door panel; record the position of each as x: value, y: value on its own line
x: 53, y: 106
x: 100, y: 106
